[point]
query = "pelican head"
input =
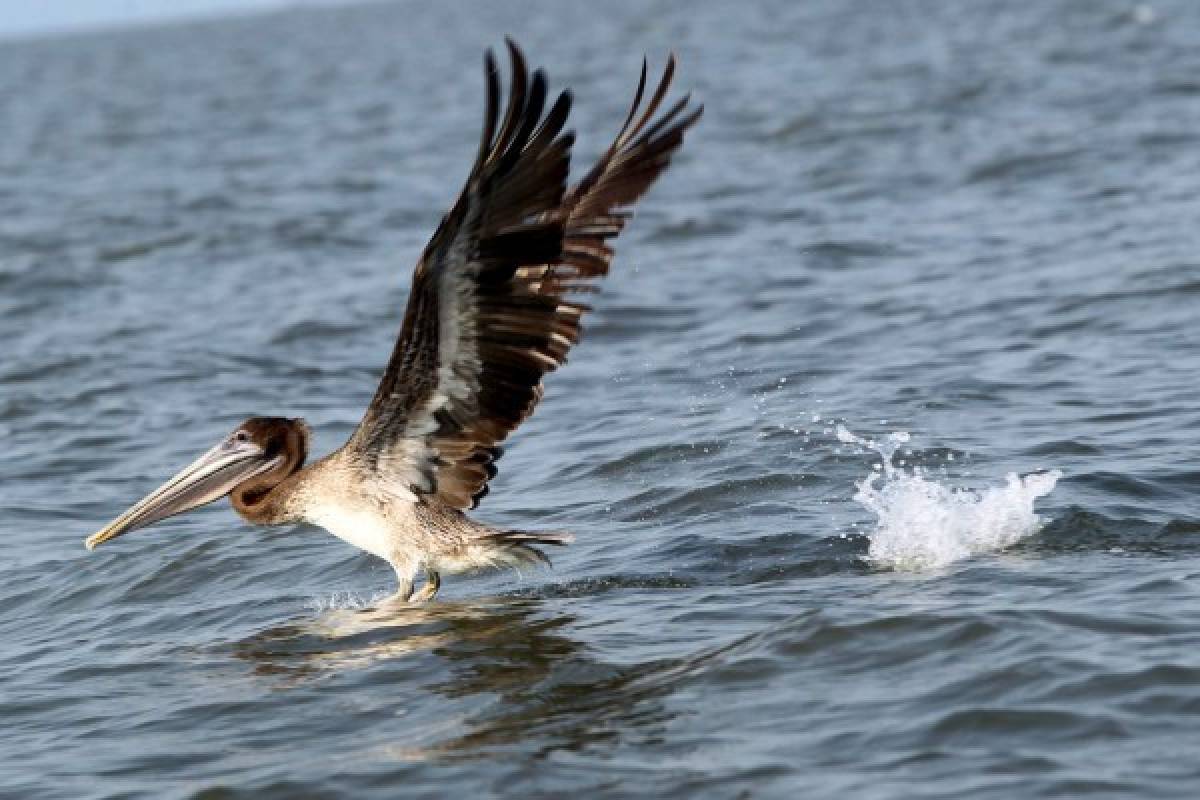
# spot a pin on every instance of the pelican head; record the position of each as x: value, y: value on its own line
x: 248, y: 463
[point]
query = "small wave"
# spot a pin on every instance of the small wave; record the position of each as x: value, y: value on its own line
x: 922, y: 524
x: 312, y: 329
x: 1025, y: 166
x: 136, y: 249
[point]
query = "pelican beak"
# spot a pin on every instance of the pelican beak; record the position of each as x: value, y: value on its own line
x: 208, y: 478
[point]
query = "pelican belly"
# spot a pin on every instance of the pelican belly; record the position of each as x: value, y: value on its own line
x: 368, y: 526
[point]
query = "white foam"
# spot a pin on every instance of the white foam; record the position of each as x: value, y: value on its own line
x: 921, y: 524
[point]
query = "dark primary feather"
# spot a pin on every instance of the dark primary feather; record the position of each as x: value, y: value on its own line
x: 488, y: 313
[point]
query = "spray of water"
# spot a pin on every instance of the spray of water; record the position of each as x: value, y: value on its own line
x: 346, y: 601
x: 921, y: 524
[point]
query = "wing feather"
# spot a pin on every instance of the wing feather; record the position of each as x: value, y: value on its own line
x: 489, y: 315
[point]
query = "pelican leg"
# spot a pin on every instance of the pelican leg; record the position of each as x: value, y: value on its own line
x: 433, y: 582
x: 403, y: 592
x: 405, y: 573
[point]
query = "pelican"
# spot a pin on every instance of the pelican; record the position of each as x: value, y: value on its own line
x: 490, y: 312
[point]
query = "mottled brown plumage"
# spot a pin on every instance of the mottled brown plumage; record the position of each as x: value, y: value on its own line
x: 490, y: 312
x: 500, y: 267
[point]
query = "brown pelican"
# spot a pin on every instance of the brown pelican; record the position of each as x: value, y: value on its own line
x: 488, y: 316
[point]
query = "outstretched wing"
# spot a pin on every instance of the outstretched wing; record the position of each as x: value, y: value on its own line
x: 488, y: 313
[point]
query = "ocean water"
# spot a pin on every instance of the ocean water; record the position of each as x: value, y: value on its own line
x: 881, y: 448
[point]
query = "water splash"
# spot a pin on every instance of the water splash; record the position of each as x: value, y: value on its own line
x: 922, y: 524
x: 346, y: 601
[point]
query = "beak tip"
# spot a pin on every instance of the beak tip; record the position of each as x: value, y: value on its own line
x: 91, y: 542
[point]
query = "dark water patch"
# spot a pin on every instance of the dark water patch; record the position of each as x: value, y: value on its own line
x: 1078, y: 530
x: 1111, y: 483
x: 304, y: 330
x: 968, y: 728
x: 1183, y: 87
x: 57, y: 365
x: 1142, y: 682
x: 1066, y: 447
x: 1182, y: 290
x: 1025, y: 167
x: 843, y: 254
x: 134, y: 250
x: 691, y: 229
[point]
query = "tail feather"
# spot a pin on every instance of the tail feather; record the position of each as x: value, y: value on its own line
x: 558, y: 538
x: 512, y: 549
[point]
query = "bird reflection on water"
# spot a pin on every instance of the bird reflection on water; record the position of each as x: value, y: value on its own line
x: 517, y: 674
x: 347, y: 639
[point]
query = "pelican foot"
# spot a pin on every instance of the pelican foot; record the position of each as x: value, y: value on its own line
x: 433, y: 582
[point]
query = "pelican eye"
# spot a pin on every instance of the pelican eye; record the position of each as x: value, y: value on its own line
x: 241, y: 436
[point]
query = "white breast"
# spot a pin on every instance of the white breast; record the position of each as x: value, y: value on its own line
x: 366, y: 526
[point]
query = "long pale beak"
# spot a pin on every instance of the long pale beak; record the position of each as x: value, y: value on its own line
x: 208, y: 478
